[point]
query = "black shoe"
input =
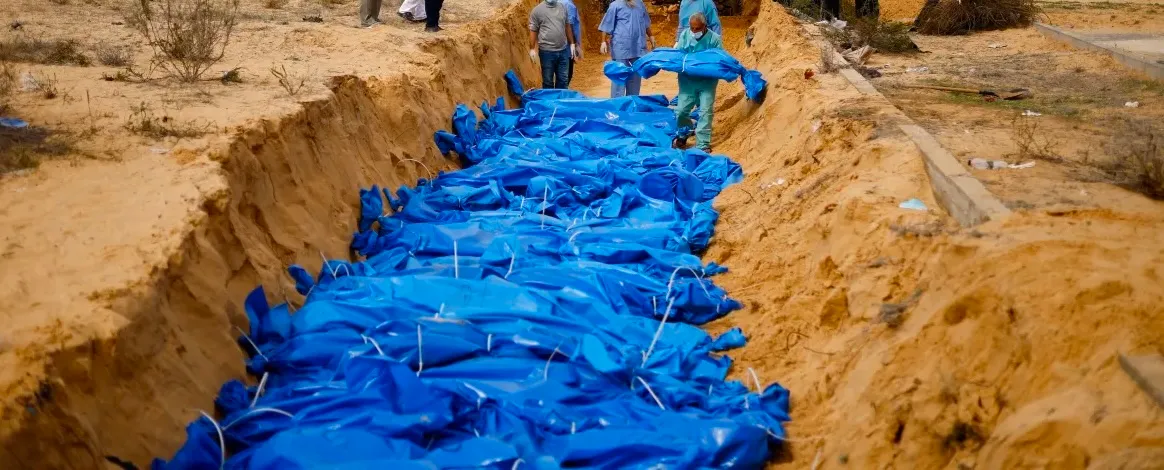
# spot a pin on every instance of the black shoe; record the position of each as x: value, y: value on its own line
x: 406, y: 15
x: 434, y: 29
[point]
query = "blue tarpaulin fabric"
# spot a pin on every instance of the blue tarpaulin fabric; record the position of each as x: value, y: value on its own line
x: 535, y: 309
x: 711, y: 63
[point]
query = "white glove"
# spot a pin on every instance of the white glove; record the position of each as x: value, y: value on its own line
x: 533, y: 55
x: 603, y: 49
x: 573, y: 51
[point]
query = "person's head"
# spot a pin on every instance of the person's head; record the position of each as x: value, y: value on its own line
x: 551, y: 2
x: 698, y: 24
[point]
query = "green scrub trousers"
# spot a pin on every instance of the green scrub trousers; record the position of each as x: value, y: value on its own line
x: 697, y: 91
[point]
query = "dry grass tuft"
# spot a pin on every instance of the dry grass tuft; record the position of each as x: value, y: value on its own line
x: 946, y: 17
x: 1030, y: 142
x: 188, y: 36
x: 7, y: 84
x: 44, y: 85
x: 828, y: 61
x: 143, y: 121
x: 113, y: 56
x: 275, y: 4
x: 21, y: 48
x: 1137, y: 163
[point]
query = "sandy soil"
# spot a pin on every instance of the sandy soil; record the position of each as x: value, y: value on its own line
x: 1081, y: 96
x: 907, y: 341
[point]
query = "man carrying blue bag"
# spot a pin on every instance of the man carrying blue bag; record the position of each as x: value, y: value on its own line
x: 697, y: 90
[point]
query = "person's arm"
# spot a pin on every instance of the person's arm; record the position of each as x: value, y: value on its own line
x: 713, y: 18
x: 607, y: 27
x: 535, y: 23
x: 650, y: 33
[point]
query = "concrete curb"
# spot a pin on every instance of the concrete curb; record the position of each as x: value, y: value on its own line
x: 1147, y: 68
x: 958, y: 191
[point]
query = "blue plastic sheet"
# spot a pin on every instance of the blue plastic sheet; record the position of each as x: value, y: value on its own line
x: 535, y: 309
x: 711, y: 63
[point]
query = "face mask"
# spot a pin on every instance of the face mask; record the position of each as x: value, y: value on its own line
x: 699, y: 35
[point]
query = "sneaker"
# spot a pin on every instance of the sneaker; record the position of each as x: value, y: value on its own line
x: 407, y: 15
x: 706, y: 148
x: 434, y: 29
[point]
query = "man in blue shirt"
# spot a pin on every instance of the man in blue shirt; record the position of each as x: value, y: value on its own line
x: 706, y: 7
x: 626, y: 29
x: 697, y: 90
x: 576, y: 23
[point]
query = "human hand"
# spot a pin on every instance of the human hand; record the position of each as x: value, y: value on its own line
x: 603, y: 48
x: 579, y: 53
x: 533, y: 55
x: 651, y: 43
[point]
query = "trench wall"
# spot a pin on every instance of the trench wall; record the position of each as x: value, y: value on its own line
x: 290, y: 193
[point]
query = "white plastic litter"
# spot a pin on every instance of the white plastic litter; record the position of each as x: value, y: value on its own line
x: 922, y: 69
x: 914, y: 204
x: 1132, y: 104
x: 1031, y: 113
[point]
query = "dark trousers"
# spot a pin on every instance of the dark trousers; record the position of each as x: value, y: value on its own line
x: 864, y: 8
x: 570, y: 76
x: 432, y: 8
x: 555, y: 68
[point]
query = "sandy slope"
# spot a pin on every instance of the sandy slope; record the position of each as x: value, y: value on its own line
x: 1005, y: 355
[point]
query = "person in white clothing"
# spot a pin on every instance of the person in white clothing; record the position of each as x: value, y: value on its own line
x: 412, y: 10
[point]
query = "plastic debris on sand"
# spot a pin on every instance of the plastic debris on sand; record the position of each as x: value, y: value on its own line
x: 535, y: 309
x: 914, y: 204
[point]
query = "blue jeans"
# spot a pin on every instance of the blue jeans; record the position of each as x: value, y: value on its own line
x: 555, y: 68
x: 632, y: 83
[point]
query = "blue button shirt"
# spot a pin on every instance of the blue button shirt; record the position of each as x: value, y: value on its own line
x: 575, y: 22
x: 691, y: 7
x: 627, y: 25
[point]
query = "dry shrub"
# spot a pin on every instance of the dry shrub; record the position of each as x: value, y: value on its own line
x: 884, y: 36
x: 60, y: 2
x: 40, y: 51
x: 275, y: 4
x: 45, y: 85
x: 7, y: 83
x: 1030, y: 141
x: 188, y: 36
x: 945, y: 17
x: 142, y: 120
x: 1137, y: 149
x: 828, y: 61
x: 113, y: 56
x: 292, y: 82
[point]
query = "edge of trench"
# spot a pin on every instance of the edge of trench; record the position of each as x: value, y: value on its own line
x: 961, y: 194
x: 285, y: 191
